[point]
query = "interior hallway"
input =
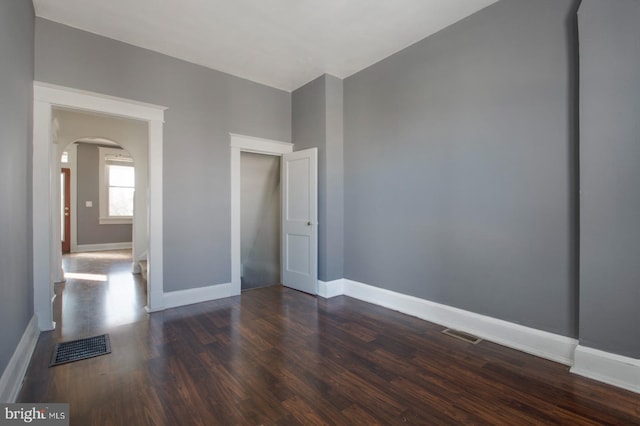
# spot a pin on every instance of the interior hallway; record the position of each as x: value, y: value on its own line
x: 100, y: 292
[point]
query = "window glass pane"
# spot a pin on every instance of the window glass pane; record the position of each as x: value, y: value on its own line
x: 121, y: 201
x: 121, y: 176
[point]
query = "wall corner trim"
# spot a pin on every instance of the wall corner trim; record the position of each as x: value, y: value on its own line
x: 329, y: 289
x: 613, y: 369
x: 13, y: 375
x: 543, y: 344
x: 174, y: 299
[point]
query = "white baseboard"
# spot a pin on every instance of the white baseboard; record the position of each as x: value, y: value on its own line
x: 530, y: 340
x: 190, y: 296
x: 80, y: 248
x: 331, y: 288
x: 606, y: 367
x: 13, y: 375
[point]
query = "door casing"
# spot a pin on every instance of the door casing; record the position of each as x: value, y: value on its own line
x: 66, y: 190
x: 47, y: 253
x: 240, y: 143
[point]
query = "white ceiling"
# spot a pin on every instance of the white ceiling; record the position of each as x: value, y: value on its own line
x: 280, y: 43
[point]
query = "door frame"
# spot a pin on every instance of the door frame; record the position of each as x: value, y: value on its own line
x: 66, y: 189
x: 243, y: 143
x: 47, y: 253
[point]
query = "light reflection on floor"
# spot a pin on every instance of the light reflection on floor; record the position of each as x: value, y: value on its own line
x: 110, y: 254
x: 89, y: 277
x: 100, y: 292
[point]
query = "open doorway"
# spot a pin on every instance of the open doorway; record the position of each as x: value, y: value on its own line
x: 241, y: 145
x: 47, y: 253
x: 103, y: 220
x: 260, y: 220
x: 298, y: 217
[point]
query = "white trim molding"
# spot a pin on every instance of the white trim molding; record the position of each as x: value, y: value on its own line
x: 80, y: 248
x: 530, y: 340
x: 613, y: 369
x: 72, y: 150
x: 174, y: 299
x: 44, y: 269
x: 13, y: 375
x: 260, y: 145
x: 329, y: 289
x: 616, y: 370
x: 155, y: 248
x: 238, y: 144
x: 46, y: 214
x: 90, y: 101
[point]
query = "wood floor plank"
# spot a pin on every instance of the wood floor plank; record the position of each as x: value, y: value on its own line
x: 274, y: 356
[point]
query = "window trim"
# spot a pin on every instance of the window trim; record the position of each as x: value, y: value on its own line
x: 103, y: 183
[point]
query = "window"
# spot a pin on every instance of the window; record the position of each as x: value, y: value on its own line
x: 117, y: 186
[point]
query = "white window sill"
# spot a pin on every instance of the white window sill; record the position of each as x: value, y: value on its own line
x: 115, y: 220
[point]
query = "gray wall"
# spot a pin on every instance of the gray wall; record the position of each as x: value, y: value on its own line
x: 204, y: 105
x: 90, y: 231
x: 16, y: 99
x: 317, y: 121
x: 458, y: 169
x: 260, y: 219
x: 333, y: 222
x: 610, y: 175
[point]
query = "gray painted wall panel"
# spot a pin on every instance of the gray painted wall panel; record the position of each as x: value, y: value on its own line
x: 610, y: 173
x: 334, y: 214
x: 16, y: 100
x: 317, y: 121
x: 308, y: 112
x: 90, y: 231
x: 203, y: 106
x: 457, y: 167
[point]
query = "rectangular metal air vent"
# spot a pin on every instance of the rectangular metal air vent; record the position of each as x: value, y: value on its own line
x: 76, y: 350
x: 469, y: 338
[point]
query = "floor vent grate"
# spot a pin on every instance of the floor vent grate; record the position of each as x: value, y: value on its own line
x: 76, y: 350
x: 469, y: 338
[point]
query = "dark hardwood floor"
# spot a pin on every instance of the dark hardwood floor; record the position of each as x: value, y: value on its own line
x: 274, y: 356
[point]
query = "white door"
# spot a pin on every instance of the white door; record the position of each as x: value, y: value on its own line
x: 299, y: 184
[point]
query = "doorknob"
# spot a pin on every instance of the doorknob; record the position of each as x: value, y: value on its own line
x: 309, y: 223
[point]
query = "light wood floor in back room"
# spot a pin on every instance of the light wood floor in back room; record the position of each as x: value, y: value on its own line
x: 274, y: 356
